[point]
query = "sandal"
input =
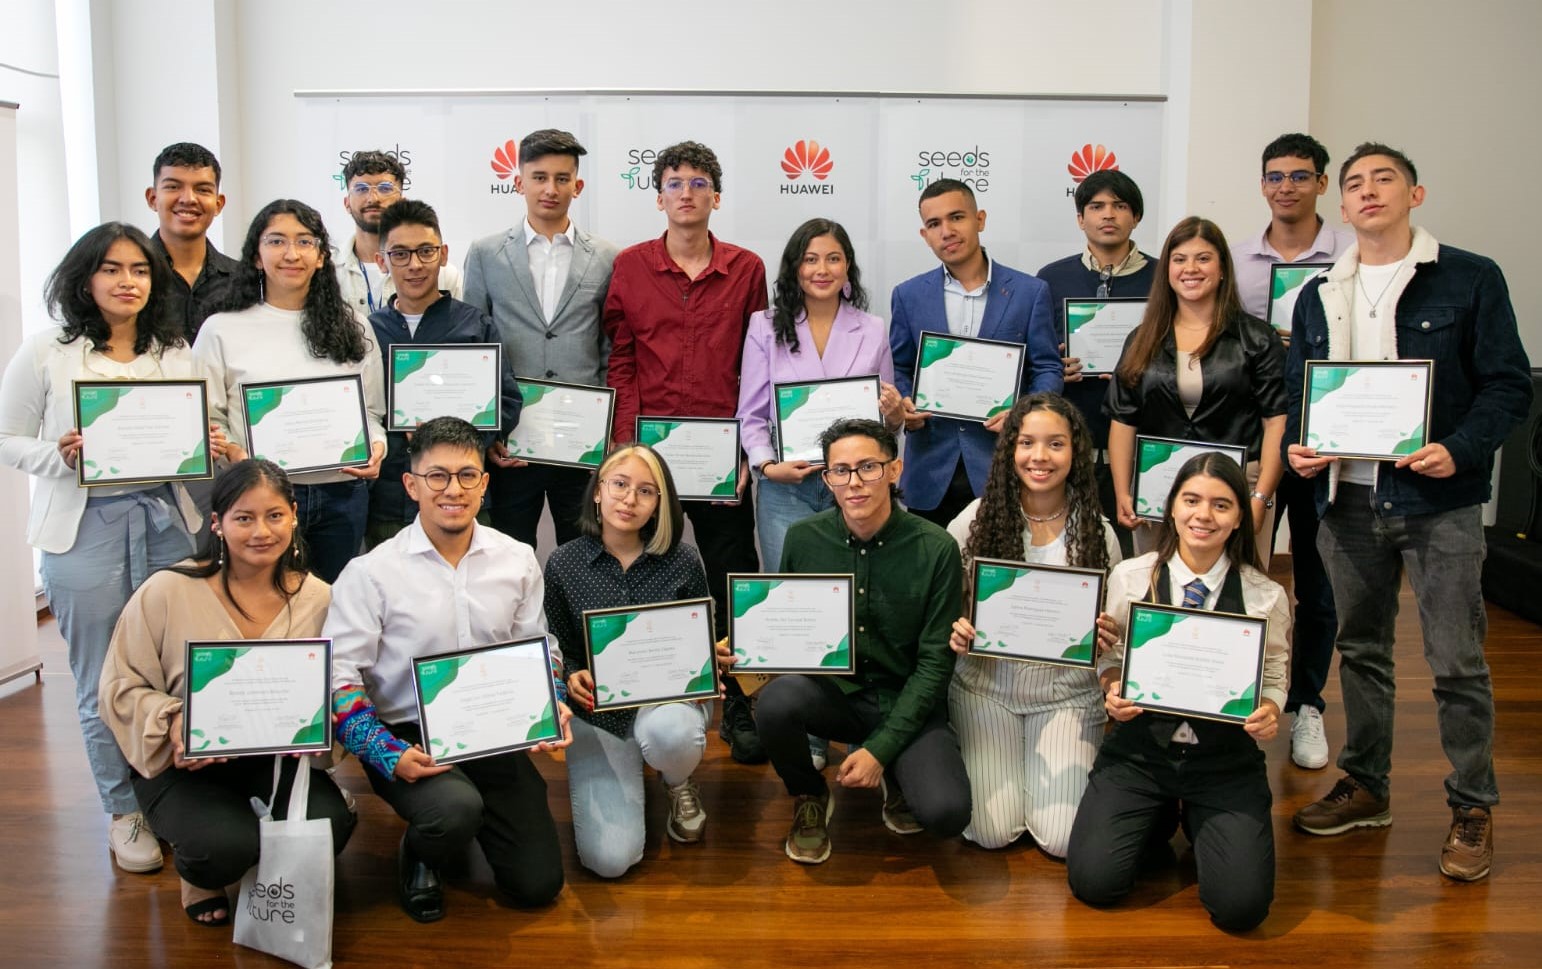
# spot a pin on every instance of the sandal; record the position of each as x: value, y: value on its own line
x: 206, y: 906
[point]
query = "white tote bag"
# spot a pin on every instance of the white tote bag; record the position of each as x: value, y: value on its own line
x: 285, y: 904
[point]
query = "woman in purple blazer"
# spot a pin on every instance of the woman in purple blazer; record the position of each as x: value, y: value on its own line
x: 815, y: 330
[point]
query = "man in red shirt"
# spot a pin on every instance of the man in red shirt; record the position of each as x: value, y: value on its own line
x: 676, y: 314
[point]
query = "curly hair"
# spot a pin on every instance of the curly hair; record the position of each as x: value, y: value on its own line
x: 787, y: 305
x: 331, y: 330
x: 692, y: 153
x: 997, y: 529
x: 69, y: 299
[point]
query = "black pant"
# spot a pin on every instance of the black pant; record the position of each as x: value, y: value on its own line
x: 500, y: 801
x: 929, y: 770
x: 1316, y: 624
x: 516, y: 496
x: 207, y: 814
x: 1226, y: 803
x: 1103, y: 474
x: 725, y: 537
x: 958, y: 496
x: 333, y: 518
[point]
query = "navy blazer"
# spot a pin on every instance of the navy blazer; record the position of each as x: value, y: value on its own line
x: 1017, y: 310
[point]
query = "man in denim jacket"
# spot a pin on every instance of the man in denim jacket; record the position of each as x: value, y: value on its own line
x: 1398, y: 294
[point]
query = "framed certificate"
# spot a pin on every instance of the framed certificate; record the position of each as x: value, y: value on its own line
x: 1193, y: 662
x: 642, y: 655
x: 967, y: 377
x: 803, y: 411
x: 256, y: 696
x: 138, y: 431
x: 1157, y: 462
x: 792, y: 622
x: 1285, y: 282
x: 486, y: 700
x: 1036, y: 613
x: 1095, y: 330
x: 702, y: 454
x: 317, y: 424
x: 1375, y: 409
x: 430, y: 380
x: 563, y: 424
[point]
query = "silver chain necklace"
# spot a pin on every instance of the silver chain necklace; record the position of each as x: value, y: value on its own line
x: 1377, y: 301
x: 1036, y: 519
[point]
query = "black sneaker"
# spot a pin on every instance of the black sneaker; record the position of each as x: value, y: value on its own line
x: 738, y: 729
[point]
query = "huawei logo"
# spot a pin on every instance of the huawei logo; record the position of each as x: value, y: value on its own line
x: 807, y: 157
x: 506, y: 159
x: 1092, y: 158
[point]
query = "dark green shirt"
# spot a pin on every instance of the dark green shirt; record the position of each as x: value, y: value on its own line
x: 907, y: 582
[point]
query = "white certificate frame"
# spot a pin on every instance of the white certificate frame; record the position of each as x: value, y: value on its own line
x: 200, y: 391
x: 495, y: 423
x: 811, y: 579
x: 1202, y: 615
x: 1313, y: 367
x: 779, y: 393
x: 917, y: 395
x: 1068, y: 334
x: 1276, y: 313
x: 356, y: 380
x: 190, y: 722
x: 707, y: 647
x: 603, y: 445
x: 1095, y: 576
x: 686, y: 489
x: 1237, y: 452
x: 418, y: 662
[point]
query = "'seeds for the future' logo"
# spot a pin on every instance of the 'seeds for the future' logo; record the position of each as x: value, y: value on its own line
x: 504, y: 164
x: 970, y: 166
x: 807, y: 157
x: 1092, y: 158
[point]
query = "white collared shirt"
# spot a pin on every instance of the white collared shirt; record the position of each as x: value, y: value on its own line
x: 1178, y: 576
x: 965, y: 308
x: 550, y: 260
x: 403, y: 600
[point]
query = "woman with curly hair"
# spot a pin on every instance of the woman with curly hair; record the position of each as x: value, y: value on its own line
x: 287, y: 321
x: 1028, y: 731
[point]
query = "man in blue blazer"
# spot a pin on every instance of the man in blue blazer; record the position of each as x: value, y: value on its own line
x: 946, y: 460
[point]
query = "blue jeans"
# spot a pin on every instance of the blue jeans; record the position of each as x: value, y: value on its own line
x: 782, y: 504
x: 333, y: 518
x: 605, y: 779
x: 1366, y: 552
x: 120, y: 542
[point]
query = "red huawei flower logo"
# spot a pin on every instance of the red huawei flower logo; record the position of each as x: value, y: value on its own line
x: 807, y: 157
x: 1092, y: 158
x: 506, y: 159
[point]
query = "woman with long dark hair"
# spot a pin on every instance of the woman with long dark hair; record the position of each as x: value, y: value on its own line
x: 1028, y: 731
x: 287, y: 321
x: 108, y: 294
x: 1199, y: 368
x: 248, y: 582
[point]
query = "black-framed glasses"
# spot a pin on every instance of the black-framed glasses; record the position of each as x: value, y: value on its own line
x: 438, y: 480
x: 840, y: 475
x: 427, y: 255
x: 1103, y: 282
x: 1298, y: 177
x: 619, y: 488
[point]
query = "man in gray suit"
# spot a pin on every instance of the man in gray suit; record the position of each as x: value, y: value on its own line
x: 544, y: 284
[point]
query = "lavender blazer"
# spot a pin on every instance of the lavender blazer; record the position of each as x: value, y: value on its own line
x: 858, y: 345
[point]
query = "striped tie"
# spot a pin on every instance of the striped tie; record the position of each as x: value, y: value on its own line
x: 1194, y: 594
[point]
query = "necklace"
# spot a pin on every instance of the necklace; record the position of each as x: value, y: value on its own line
x: 1039, y: 520
x: 1377, y: 301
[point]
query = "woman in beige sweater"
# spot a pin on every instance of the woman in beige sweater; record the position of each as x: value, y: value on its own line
x: 249, y: 583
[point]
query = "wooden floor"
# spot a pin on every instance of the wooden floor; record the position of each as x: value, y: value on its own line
x: 1364, y: 899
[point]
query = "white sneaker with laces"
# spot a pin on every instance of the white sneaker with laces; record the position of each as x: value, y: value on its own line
x: 133, y: 845
x: 1308, y: 742
x: 687, y: 818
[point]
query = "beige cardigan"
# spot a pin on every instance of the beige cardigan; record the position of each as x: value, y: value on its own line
x: 142, y: 678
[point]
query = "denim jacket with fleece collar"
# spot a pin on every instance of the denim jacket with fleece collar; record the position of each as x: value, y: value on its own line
x: 1451, y: 306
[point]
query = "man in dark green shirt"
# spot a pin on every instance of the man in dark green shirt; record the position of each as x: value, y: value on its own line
x: 907, y: 578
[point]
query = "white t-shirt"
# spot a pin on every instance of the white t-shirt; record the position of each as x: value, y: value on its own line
x: 1366, y: 344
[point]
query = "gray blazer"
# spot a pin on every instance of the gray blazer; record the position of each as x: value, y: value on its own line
x: 572, y: 347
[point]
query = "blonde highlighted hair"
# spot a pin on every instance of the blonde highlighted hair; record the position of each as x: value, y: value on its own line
x: 662, y: 531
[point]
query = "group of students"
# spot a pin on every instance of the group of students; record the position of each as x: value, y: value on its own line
x: 681, y: 326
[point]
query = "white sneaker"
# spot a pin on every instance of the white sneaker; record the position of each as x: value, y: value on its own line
x: 686, y: 816
x: 133, y: 845
x: 1308, y: 743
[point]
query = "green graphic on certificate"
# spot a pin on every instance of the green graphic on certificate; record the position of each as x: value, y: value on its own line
x: 1096, y: 330
x: 487, y: 700
x: 563, y: 424
x: 785, y: 623
x: 1367, y: 409
x: 805, y: 410
x: 966, y: 378
x: 1285, y: 282
x: 444, y: 380
x: 317, y: 424
x: 651, y: 654
x: 142, y: 431
x: 1037, y: 613
x: 1203, y: 664
x: 1157, y: 462
x: 702, y: 454
x: 257, y: 697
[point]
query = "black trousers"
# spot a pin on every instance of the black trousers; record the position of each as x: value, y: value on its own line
x: 930, y: 770
x: 958, y: 496
x: 516, y: 496
x: 500, y: 801
x: 725, y: 537
x: 207, y: 814
x: 1316, y: 624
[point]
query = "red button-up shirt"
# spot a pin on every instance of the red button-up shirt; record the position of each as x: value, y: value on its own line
x: 676, y: 342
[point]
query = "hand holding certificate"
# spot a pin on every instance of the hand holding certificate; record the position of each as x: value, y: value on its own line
x: 966, y: 377
x: 486, y: 700
x: 563, y: 424
x: 137, y: 431
x: 1194, y: 663
x: 257, y: 696
x: 642, y: 655
x: 1036, y: 613
x: 805, y: 410
x: 444, y: 380
x: 1375, y: 409
x: 792, y: 623
x: 702, y: 454
x: 1157, y: 462
x: 1095, y: 330
x: 317, y: 424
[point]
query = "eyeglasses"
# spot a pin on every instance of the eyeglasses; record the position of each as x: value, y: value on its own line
x: 840, y: 475
x: 619, y: 488
x: 1298, y: 177
x: 674, y: 186
x: 468, y: 478
x: 278, y: 243
x: 383, y: 189
x: 427, y: 255
x: 1103, y: 278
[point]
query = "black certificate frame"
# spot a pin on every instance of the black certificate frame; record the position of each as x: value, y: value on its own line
x: 915, y: 383
x: 1261, y: 624
x: 610, y: 420
x: 201, y: 388
x: 779, y: 439
x: 495, y: 348
x: 356, y: 379
x: 809, y: 578
x: 551, y: 697
x: 1283, y: 326
x: 1097, y: 575
x: 709, y: 652
x: 1065, y: 323
x: 680, y: 493
x: 325, y: 697
x: 1428, y: 366
x: 1236, y: 452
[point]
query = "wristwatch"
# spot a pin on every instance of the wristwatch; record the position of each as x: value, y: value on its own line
x: 1268, y: 500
